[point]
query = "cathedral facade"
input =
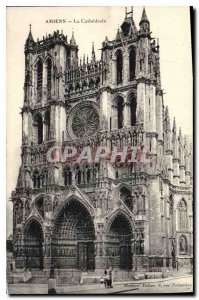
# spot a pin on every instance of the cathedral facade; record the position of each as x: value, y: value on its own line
x: 71, y: 215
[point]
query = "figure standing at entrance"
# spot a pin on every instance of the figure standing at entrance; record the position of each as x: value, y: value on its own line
x: 109, y: 283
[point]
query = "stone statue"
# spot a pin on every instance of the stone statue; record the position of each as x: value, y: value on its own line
x: 182, y: 245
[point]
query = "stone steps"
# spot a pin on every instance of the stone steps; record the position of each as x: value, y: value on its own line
x: 40, y: 280
x: 71, y: 277
x: 153, y: 275
x: 117, y: 275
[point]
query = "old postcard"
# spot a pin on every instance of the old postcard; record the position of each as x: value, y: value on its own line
x: 99, y: 150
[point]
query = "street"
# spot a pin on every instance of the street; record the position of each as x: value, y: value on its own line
x: 169, y: 285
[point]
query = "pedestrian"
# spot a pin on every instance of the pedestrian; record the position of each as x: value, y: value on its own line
x: 110, y: 279
x: 105, y: 272
x: 101, y: 281
x: 106, y: 280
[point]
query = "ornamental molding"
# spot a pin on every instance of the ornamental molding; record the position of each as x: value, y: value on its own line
x: 36, y: 216
x: 76, y: 194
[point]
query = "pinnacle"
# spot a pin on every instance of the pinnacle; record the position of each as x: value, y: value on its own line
x: 118, y: 35
x: 93, y: 52
x: 144, y: 16
x: 72, y: 41
x: 174, y: 124
x: 30, y: 40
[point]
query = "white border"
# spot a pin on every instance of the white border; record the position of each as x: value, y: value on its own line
x: 3, y: 4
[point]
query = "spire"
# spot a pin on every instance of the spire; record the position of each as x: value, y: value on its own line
x: 72, y: 41
x: 93, y: 52
x: 144, y: 16
x: 118, y: 35
x: 144, y: 23
x: 30, y: 38
x: 30, y: 41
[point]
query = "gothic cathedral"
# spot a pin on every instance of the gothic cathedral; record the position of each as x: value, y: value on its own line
x: 89, y: 216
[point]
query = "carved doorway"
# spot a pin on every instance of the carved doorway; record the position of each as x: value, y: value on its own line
x: 86, y: 259
x: 125, y: 257
x: 73, y: 239
x: 33, y: 249
x: 119, y: 245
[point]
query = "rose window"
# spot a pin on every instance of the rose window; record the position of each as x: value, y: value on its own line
x: 85, y: 122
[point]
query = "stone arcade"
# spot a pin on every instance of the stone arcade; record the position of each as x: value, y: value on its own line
x: 82, y: 217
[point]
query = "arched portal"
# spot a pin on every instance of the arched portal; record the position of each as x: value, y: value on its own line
x: 119, y: 237
x: 73, y: 238
x: 33, y: 239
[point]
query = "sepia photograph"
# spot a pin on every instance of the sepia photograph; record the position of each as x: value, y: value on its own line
x: 99, y: 104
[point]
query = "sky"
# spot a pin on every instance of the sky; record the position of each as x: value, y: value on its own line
x: 170, y: 24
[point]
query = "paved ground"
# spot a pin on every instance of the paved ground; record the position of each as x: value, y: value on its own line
x: 168, y: 285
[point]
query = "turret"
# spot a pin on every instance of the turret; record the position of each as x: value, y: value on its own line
x: 181, y: 156
x: 29, y: 42
x: 167, y: 130
x: 118, y: 38
x: 73, y: 51
x: 93, y: 53
x: 168, y: 147
x: 156, y: 74
x: 72, y: 40
x: 144, y: 24
x: 145, y: 61
x: 176, y: 172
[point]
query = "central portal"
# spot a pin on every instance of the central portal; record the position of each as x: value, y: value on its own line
x: 73, y: 239
x: 86, y: 259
